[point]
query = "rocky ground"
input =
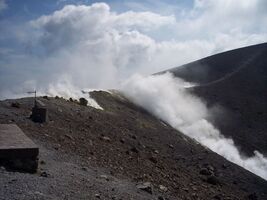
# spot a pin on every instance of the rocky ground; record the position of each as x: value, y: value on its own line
x: 121, y: 152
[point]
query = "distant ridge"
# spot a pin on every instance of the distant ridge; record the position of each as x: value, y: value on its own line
x: 237, y: 81
x: 215, y: 66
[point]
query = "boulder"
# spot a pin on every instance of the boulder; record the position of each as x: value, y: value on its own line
x: 213, y: 180
x: 162, y: 188
x: 83, y: 101
x: 15, y: 105
x: 147, y: 187
x: 205, y: 171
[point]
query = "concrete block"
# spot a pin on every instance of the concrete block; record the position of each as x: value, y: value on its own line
x: 17, y: 151
x: 39, y: 112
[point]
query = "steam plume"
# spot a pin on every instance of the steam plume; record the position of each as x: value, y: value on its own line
x: 166, y: 98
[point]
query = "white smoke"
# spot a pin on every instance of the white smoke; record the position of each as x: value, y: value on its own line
x: 64, y: 88
x: 97, y: 47
x: 167, y: 98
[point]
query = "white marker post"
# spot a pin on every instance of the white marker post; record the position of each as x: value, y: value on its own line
x: 33, y: 92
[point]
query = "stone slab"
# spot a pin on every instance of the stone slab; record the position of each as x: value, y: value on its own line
x: 14, y: 144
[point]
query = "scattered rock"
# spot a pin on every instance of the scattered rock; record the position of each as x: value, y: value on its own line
x: 205, y: 171
x: 69, y: 136
x: 15, y: 104
x: 210, y: 168
x: 224, y: 166
x: 2, y: 168
x: 200, y: 158
x: 163, y: 188
x: 134, y: 137
x: 42, y: 162
x: 83, y: 101
x: 195, y: 195
x: 44, y: 174
x: 97, y: 196
x: 194, y: 188
x: 253, y: 196
x: 213, y: 180
x: 153, y: 159
x: 57, y: 146
x: 105, y: 138
x: 12, y: 181
x: 135, y: 150
x: 147, y: 187
x: 161, y: 198
x: 104, y: 177
x: 84, y: 168
x: 217, y: 197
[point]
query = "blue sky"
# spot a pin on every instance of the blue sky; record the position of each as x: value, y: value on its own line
x: 29, y: 9
x: 99, y: 44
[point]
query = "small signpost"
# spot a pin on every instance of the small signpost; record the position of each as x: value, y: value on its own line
x: 39, y: 110
x: 33, y: 92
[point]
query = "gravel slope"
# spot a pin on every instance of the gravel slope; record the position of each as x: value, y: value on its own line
x: 111, y: 152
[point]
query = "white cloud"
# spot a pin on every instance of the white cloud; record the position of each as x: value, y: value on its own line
x: 3, y: 5
x: 96, y: 47
x: 78, y: 24
x: 210, y: 17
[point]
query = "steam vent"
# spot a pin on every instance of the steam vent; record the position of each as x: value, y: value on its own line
x: 17, y: 151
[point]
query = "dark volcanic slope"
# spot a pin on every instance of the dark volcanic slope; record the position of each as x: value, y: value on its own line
x: 237, y: 81
x: 126, y: 144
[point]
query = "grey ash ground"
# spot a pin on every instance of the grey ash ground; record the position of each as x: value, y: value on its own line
x: 86, y: 153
